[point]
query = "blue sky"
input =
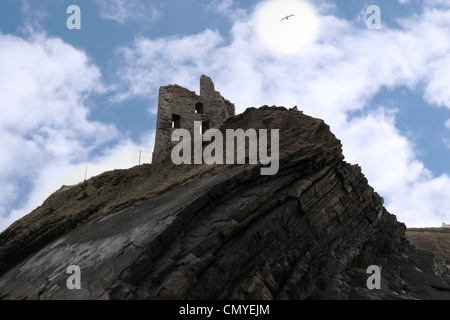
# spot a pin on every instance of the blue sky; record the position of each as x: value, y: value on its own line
x: 89, y: 96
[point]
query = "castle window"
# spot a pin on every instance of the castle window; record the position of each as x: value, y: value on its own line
x: 199, y: 108
x: 205, y: 126
x: 176, y: 121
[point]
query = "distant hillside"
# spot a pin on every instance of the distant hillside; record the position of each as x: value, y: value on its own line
x: 436, y: 240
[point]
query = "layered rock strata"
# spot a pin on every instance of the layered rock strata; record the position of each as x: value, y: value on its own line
x: 308, y: 232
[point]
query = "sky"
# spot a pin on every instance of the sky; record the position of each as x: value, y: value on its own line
x: 77, y: 102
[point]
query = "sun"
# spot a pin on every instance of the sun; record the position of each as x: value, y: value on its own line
x: 287, y: 36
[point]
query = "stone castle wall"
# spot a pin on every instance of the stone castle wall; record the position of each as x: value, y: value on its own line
x: 179, y: 107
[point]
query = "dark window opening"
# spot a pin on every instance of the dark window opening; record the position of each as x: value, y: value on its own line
x: 176, y: 121
x: 199, y: 108
x: 205, y: 126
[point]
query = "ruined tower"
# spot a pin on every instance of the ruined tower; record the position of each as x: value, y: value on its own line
x: 179, y: 107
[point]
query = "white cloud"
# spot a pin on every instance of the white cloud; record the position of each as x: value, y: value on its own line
x: 439, y: 3
x: 59, y: 171
x: 123, y: 11
x: 33, y: 17
x: 153, y: 63
x: 227, y: 8
x: 424, y: 202
x: 376, y: 134
x: 342, y: 72
x: 222, y: 6
x: 447, y: 124
x: 46, y: 137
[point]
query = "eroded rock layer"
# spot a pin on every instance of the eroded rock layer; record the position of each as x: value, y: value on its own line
x: 308, y: 232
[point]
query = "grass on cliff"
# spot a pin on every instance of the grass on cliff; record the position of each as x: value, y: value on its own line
x: 104, y: 194
x: 115, y: 190
x: 436, y: 240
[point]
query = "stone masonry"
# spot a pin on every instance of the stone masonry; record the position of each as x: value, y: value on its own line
x: 179, y: 107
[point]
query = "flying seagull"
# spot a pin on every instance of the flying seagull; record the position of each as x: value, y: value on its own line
x: 287, y: 17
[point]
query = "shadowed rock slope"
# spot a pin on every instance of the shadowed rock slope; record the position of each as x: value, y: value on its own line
x: 222, y: 231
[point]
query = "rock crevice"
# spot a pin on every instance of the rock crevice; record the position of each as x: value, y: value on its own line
x: 308, y: 232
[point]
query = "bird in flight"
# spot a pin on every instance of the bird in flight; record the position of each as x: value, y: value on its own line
x: 287, y: 17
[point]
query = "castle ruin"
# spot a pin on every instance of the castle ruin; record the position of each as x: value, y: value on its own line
x: 179, y: 107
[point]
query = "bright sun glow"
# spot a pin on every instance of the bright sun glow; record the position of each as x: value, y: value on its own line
x: 290, y: 35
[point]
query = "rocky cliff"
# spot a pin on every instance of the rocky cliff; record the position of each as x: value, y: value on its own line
x: 222, y: 231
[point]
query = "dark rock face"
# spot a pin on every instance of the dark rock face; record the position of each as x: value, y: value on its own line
x: 308, y: 232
